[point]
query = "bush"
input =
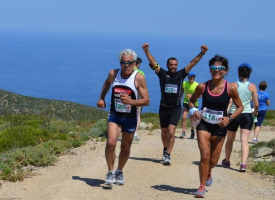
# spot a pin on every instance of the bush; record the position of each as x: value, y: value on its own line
x: 38, y: 156
x: 267, y: 168
x: 58, y: 147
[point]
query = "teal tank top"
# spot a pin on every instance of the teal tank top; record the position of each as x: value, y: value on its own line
x: 245, y: 95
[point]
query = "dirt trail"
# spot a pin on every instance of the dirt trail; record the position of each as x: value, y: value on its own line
x: 81, y: 175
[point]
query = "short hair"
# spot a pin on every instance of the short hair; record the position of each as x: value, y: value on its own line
x: 221, y: 59
x: 128, y: 52
x: 262, y: 85
x: 244, y: 71
x: 172, y: 58
x: 139, y: 60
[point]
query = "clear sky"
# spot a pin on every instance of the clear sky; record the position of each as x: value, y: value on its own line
x: 202, y: 18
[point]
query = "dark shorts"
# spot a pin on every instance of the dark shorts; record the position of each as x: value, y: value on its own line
x: 185, y: 105
x: 260, y: 117
x: 127, y: 124
x: 169, y: 115
x: 244, y: 120
x: 213, y: 129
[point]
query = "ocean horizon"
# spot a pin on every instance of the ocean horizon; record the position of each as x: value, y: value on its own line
x: 74, y: 68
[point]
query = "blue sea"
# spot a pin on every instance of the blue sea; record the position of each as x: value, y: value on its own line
x: 74, y: 67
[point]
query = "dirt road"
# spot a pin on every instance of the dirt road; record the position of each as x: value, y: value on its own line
x: 81, y: 175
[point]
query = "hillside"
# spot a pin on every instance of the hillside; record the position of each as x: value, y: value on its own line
x: 12, y: 103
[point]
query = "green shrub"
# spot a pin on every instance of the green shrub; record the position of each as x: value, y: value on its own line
x: 38, y: 156
x: 265, y: 167
x: 58, y: 147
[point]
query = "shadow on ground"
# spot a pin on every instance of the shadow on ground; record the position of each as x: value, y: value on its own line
x: 175, y: 189
x: 146, y: 159
x: 93, y: 182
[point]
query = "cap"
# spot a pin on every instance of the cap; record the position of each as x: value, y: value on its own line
x: 191, y: 74
x: 245, y: 65
x: 139, y: 60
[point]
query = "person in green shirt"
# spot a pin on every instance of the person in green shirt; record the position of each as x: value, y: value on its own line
x: 188, y: 87
x: 139, y: 108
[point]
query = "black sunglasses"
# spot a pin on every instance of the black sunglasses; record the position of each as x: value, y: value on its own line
x: 127, y: 63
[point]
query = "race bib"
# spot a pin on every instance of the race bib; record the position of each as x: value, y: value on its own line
x: 121, y: 107
x: 212, y: 116
x: 170, y: 88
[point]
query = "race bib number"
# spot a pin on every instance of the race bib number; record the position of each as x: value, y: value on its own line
x: 121, y: 107
x: 170, y: 88
x: 212, y: 116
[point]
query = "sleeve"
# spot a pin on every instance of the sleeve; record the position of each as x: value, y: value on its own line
x: 161, y: 73
x: 183, y: 73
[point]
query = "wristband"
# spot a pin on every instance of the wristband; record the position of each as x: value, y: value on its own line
x: 192, y: 111
x: 153, y: 67
x: 202, y: 53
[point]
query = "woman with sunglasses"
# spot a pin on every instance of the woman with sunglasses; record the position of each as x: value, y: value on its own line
x: 211, y: 131
x: 247, y: 91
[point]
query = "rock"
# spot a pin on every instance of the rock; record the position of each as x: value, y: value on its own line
x: 264, y: 151
x: 142, y: 125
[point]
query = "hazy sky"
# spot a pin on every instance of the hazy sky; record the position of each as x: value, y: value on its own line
x: 203, y: 18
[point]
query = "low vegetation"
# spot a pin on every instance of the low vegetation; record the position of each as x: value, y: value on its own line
x: 266, y: 167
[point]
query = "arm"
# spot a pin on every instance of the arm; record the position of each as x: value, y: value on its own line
x: 233, y: 93
x: 141, y: 86
x: 253, y: 89
x: 196, y: 59
x: 267, y: 102
x: 182, y: 92
x: 106, y: 86
x: 229, y: 105
x: 149, y: 56
x: 237, y: 101
x: 194, y: 97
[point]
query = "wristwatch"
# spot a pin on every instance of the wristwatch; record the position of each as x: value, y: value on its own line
x: 230, y: 119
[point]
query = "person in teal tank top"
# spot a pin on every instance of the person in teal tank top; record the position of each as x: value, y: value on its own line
x: 247, y: 92
x: 139, y: 108
x: 188, y: 88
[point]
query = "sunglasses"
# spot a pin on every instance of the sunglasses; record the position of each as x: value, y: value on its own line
x: 220, y: 68
x: 127, y: 63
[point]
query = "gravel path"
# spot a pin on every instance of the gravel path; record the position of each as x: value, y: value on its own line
x: 81, y: 174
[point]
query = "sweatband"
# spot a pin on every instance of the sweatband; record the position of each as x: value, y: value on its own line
x: 192, y: 111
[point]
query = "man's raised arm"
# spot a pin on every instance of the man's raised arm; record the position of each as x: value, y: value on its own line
x: 196, y: 59
x: 152, y: 62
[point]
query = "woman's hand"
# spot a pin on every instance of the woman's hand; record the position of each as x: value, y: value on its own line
x: 224, y: 121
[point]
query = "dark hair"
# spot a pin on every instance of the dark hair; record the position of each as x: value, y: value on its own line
x: 219, y: 58
x: 139, y: 60
x: 244, y: 72
x: 172, y: 58
x: 262, y: 85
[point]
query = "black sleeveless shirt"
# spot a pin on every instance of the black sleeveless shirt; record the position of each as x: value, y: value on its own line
x: 216, y: 102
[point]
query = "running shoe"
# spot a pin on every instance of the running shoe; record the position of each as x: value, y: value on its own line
x: 183, y: 135
x: 209, y: 179
x: 201, y: 192
x: 226, y: 163
x: 110, y: 180
x: 255, y: 140
x: 192, y: 134
x: 119, y: 178
x: 135, y: 138
x: 243, y: 167
x: 167, y: 160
